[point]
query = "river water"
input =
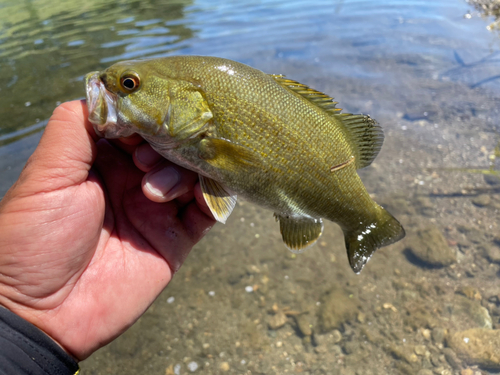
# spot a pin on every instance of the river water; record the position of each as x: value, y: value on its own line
x: 428, y: 71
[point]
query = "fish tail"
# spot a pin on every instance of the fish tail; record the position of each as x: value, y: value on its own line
x: 362, y: 242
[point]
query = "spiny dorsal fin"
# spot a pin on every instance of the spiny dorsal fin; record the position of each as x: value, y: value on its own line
x: 365, y: 132
x: 317, y: 98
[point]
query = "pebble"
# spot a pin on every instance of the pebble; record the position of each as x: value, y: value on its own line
x: 491, y: 179
x: 420, y: 350
x: 170, y: 299
x: 429, y: 246
x: 470, y: 292
x: 477, y: 346
x: 481, y: 200
x: 452, y: 359
x: 224, y: 366
x: 361, y: 317
x: 474, y: 235
x: 336, y: 336
x: 467, y: 371
x: 491, y: 252
x: 278, y: 320
x: 249, y: 289
x: 303, y: 324
x: 403, y: 352
x: 426, y: 333
x: 192, y: 366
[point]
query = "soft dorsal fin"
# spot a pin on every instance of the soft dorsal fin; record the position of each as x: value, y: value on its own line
x: 318, y: 98
x: 365, y: 132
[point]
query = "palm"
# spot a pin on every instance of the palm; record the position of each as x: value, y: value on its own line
x: 95, y: 251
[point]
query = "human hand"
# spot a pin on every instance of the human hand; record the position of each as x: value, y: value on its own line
x: 83, y: 252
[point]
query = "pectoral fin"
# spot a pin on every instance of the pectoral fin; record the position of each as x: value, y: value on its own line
x: 299, y: 232
x: 226, y: 155
x: 219, y: 199
x: 188, y: 113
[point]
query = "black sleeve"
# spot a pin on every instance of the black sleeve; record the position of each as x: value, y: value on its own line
x: 24, y: 349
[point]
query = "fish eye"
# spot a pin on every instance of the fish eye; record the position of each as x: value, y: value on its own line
x: 130, y: 81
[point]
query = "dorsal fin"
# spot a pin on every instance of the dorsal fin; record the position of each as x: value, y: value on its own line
x: 317, y: 98
x: 365, y: 132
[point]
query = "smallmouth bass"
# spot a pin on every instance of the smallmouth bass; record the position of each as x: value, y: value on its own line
x: 273, y: 140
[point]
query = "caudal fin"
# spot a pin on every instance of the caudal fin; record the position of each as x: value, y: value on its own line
x: 362, y: 243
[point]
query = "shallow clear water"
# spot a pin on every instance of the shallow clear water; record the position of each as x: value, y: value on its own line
x: 428, y: 74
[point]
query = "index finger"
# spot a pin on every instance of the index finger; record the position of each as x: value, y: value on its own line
x: 65, y: 153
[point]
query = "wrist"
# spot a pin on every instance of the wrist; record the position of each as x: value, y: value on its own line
x: 27, y: 349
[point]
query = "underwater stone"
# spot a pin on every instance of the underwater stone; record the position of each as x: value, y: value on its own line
x: 472, y: 234
x: 438, y: 335
x: 452, y: 359
x: 336, y: 308
x: 278, y: 320
x: 303, y: 324
x: 466, y: 313
x: 492, y: 253
x: 491, y: 179
x: 481, y: 200
x: 477, y: 346
x: 429, y: 246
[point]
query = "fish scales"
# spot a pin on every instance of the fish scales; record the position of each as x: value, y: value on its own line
x: 274, y: 141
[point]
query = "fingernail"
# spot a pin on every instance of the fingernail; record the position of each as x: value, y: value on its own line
x: 146, y: 155
x: 162, y: 181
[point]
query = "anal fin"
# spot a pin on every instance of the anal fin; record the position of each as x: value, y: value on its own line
x: 299, y: 232
x: 220, y: 200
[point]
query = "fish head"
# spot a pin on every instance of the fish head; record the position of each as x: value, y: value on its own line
x: 136, y: 97
x: 125, y: 99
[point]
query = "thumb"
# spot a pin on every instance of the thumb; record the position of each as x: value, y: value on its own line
x: 65, y: 153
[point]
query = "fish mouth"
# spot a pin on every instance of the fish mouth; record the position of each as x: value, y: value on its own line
x: 102, y: 106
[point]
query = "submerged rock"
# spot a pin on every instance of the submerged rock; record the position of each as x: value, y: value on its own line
x: 452, y: 359
x: 466, y: 313
x: 472, y: 234
x: 481, y: 200
x: 430, y: 247
x: 276, y: 321
x: 491, y: 179
x: 477, y: 346
x: 491, y: 252
x: 336, y: 308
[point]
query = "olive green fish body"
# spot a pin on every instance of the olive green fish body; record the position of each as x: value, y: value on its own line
x: 275, y: 141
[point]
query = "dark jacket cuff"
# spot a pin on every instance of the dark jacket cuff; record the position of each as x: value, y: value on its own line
x: 24, y: 349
